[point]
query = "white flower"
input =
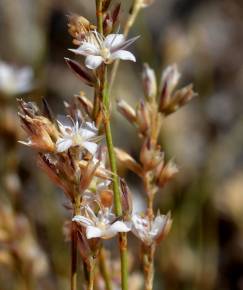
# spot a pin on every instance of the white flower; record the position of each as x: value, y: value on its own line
x: 13, y: 80
x: 83, y: 135
x: 99, y: 49
x: 104, y: 225
x: 150, y: 231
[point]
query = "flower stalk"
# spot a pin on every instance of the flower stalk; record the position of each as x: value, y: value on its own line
x: 117, y: 198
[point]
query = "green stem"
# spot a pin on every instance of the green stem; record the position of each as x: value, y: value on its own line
x: 116, y: 190
x: 104, y: 270
x: 99, y: 16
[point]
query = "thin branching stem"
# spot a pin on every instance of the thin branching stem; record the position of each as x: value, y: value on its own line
x: 117, y: 197
x: 99, y: 16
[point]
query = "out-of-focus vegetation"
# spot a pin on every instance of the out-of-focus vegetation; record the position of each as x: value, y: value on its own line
x: 205, y: 38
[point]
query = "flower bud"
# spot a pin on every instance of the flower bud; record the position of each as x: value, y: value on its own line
x: 165, y: 173
x: 149, y: 82
x: 169, y: 80
x: 127, y: 111
x: 86, y: 105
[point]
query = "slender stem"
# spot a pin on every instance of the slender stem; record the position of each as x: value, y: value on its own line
x: 104, y: 270
x: 128, y: 25
x: 117, y: 198
x: 99, y: 16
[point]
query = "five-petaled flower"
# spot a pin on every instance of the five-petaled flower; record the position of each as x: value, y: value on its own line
x: 99, y: 49
x: 150, y: 231
x: 83, y: 135
x: 103, y: 225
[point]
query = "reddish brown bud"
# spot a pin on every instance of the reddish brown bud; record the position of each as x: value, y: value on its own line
x: 149, y: 82
x: 169, y: 80
x: 81, y: 72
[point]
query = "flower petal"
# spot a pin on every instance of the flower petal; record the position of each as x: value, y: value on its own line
x: 90, y: 146
x: 93, y: 61
x: 63, y: 144
x: 114, y: 40
x: 86, y: 134
x: 120, y: 227
x: 93, y: 232
x: 123, y: 54
x: 86, y: 49
x: 82, y: 220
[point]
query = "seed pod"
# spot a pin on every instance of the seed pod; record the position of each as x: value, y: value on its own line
x: 127, y: 111
x: 149, y: 82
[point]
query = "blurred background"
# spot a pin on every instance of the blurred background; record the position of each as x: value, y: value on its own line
x: 204, y: 250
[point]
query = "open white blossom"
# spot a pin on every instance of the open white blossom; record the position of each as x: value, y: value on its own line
x: 99, y: 49
x: 103, y: 225
x: 15, y: 80
x: 83, y: 135
x: 150, y: 231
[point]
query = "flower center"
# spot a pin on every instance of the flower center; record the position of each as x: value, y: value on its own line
x: 77, y: 139
x: 105, y: 53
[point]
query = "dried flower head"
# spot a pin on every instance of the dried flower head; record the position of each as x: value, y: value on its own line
x: 150, y: 231
x: 103, y: 225
x: 99, y: 49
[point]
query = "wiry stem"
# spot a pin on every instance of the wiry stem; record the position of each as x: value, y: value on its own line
x: 99, y: 16
x: 117, y: 198
x: 128, y: 25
